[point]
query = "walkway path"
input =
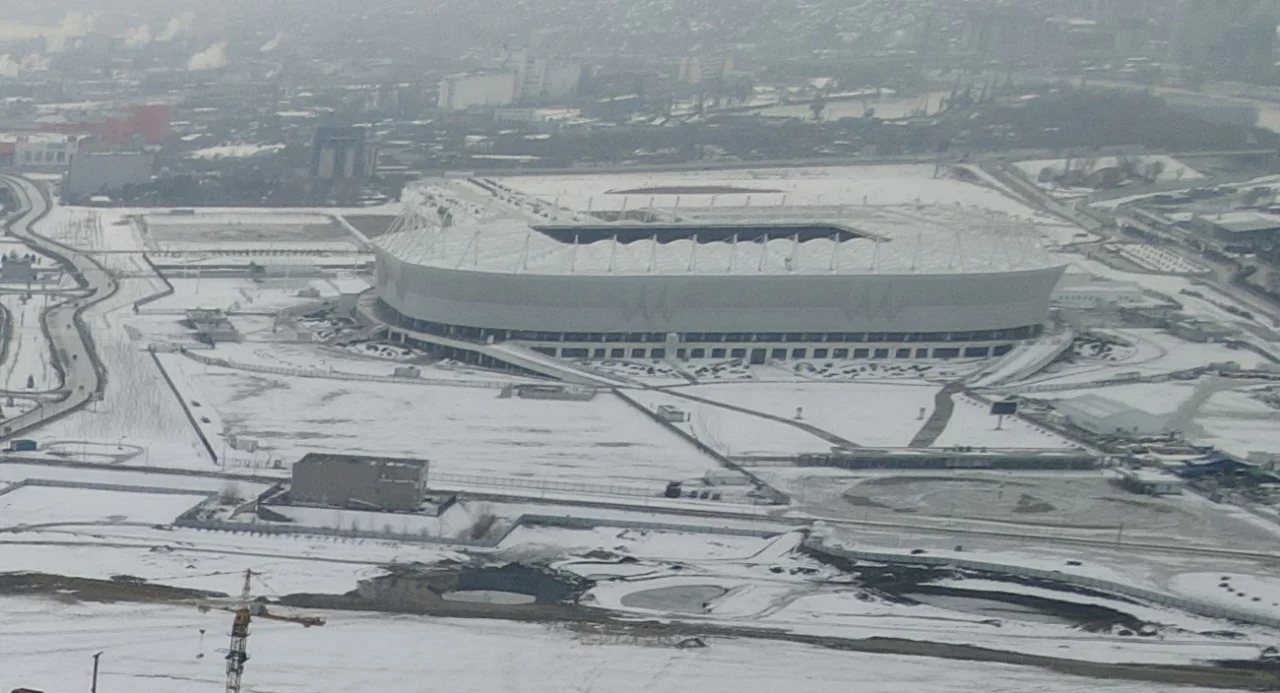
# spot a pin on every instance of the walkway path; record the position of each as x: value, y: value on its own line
x: 943, y: 407
x: 807, y: 428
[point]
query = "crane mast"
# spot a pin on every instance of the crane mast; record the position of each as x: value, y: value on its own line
x: 245, y: 609
x: 238, y: 653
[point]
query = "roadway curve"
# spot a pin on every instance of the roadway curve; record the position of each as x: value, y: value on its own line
x: 73, y: 353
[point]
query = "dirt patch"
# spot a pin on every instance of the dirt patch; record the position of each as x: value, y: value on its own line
x: 685, y: 599
x: 121, y: 588
x: 1030, y: 504
x: 253, y: 386
x: 330, y: 396
x: 1133, y: 503
x: 866, y: 502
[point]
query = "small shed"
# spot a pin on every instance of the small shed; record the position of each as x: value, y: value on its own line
x: 1151, y: 482
x: 1103, y: 416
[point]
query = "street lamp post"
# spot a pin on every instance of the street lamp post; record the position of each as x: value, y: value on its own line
x: 93, y: 688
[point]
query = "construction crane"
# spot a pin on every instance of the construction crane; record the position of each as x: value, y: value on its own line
x: 245, y: 609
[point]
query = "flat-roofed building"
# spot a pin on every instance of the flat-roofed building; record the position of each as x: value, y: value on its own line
x: 352, y: 481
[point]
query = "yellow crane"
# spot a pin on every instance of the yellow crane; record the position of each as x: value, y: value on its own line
x: 245, y: 609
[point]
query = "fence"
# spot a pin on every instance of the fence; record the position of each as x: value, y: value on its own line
x: 190, y: 521
x: 1188, y: 605
x: 439, y: 480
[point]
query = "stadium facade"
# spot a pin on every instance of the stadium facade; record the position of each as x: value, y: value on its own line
x: 749, y: 289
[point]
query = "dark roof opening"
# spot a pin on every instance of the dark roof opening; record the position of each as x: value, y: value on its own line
x: 705, y: 233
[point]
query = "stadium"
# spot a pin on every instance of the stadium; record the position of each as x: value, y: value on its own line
x: 475, y: 261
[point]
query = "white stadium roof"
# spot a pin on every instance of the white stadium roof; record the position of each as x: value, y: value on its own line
x: 506, y: 232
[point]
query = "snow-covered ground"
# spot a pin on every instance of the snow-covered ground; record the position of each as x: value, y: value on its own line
x: 461, y: 430
x: 146, y: 648
x: 235, y: 151
x: 38, y: 505
x: 29, y: 362
x: 865, y: 413
x: 732, y: 432
x: 971, y: 423
x: 138, y: 406
x: 239, y: 293
x: 1156, y: 352
x: 1157, y: 259
x: 1169, y: 168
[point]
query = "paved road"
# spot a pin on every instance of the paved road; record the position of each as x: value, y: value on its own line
x: 83, y: 376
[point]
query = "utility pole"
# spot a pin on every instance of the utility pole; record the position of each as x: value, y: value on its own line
x: 93, y: 688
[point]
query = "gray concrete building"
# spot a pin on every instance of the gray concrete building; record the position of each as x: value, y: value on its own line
x: 353, y: 481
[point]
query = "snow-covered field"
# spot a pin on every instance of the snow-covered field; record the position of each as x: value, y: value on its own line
x: 461, y: 430
x: 30, y: 359
x: 37, y: 505
x: 239, y: 293
x: 732, y: 432
x: 138, y: 406
x: 867, y: 414
x: 971, y: 423
x: 48, y: 644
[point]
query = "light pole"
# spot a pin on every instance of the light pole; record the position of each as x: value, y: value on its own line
x: 94, y: 686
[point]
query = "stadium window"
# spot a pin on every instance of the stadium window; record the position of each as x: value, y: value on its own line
x: 947, y: 353
x: 794, y: 337
x: 778, y: 354
x: 977, y: 352
x: 1001, y: 350
x: 922, y: 353
x: 635, y: 337
x: 875, y: 337
x: 549, y: 351
x: 861, y: 353
x: 840, y: 354
x: 855, y: 337
x: 738, y: 354
x: 719, y: 353
x: 820, y: 353
x: 657, y: 353
x: 697, y: 353
x: 682, y: 354
x: 902, y: 354
x: 771, y: 337
x: 637, y: 353
x: 813, y: 336
x: 597, y: 354
x: 799, y: 353
x: 617, y: 353
x: 880, y: 354
x: 895, y: 337
x: 573, y: 353
x: 615, y: 337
